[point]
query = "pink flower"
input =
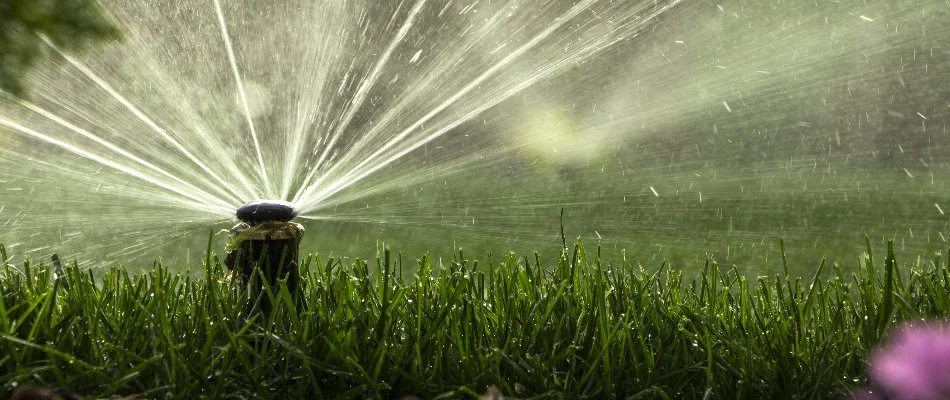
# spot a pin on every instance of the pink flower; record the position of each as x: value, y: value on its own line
x: 915, y: 365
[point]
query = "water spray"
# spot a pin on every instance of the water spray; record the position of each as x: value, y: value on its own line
x: 265, y: 239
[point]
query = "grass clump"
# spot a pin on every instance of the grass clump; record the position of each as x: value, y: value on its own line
x: 575, y: 327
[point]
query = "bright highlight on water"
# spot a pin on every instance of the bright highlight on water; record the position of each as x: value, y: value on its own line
x: 668, y: 129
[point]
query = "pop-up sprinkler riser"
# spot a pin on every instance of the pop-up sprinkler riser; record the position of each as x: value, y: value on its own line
x: 266, y: 239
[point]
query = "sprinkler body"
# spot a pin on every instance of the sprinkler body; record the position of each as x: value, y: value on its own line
x: 265, y: 240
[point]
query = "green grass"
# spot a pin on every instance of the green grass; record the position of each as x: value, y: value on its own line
x: 579, y: 326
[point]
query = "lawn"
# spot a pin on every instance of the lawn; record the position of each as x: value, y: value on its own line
x: 583, y: 325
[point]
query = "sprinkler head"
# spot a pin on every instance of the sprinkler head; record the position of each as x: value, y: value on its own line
x: 266, y: 245
x: 258, y: 211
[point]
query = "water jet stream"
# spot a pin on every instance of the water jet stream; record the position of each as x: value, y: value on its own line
x: 208, y: 202
x: 309, y: 198
x: 265, y: 181
x: 360, y: 96
x: 144, y: 118
x: 84, y: 133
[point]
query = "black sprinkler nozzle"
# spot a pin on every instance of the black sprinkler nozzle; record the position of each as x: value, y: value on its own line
x: 258, y: 211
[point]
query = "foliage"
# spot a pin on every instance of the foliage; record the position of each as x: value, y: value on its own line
x: 26, y: 24
x: 577, y: 327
